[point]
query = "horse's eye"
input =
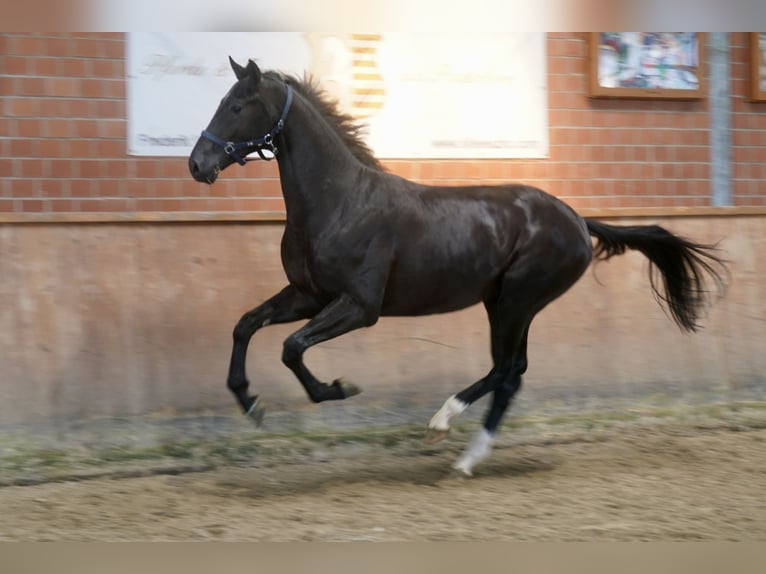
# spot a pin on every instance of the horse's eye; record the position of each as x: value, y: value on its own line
x: 235, y: 108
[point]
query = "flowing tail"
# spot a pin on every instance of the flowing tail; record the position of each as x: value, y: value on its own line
x: 684, y: 267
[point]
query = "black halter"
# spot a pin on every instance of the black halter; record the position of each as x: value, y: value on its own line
x: 265, y: 142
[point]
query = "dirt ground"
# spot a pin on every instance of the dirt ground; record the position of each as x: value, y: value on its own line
x: 658, y: 482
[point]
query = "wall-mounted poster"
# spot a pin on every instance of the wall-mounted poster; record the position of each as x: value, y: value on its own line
x: 421, y: 95
x: 660, y: 65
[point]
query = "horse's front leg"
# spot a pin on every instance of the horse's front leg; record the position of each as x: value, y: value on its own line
x: 344, y: 314
x: 286, y: 306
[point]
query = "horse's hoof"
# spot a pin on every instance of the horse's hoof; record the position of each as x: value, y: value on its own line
x: 348, y: 388
x: 462, y: 470
x: 256, y: 412
x: 435, y: 435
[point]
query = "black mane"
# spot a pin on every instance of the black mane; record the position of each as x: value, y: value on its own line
x: 344, y: 124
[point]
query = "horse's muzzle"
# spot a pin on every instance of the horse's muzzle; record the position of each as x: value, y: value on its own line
x: 202, y: 175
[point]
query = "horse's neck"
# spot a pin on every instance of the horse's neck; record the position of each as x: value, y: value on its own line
x: 312, y: 162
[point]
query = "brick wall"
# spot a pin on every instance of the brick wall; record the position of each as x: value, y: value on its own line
x: 63, y: 142
x: 749, y: 130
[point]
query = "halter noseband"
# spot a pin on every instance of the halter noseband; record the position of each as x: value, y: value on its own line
x: 265, y: 142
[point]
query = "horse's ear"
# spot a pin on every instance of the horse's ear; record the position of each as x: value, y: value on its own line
x: 239, y: 71
x: 253, y: 71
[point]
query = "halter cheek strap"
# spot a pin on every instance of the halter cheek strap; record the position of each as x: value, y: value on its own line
x: 265, y: 142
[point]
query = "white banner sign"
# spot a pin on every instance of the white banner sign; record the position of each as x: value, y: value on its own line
x: 421, y: 95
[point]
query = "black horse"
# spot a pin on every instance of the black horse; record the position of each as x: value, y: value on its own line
x: 360, y: 243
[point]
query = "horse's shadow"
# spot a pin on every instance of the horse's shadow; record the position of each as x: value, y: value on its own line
x: 427, y: 469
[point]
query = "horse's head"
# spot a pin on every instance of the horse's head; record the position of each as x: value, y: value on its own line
x: 247, y: 120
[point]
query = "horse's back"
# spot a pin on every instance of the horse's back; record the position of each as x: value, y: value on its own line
x: 455, y: 243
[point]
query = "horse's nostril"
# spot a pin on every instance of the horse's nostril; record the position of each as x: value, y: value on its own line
x: 197, y: 173
x: 201, y: 173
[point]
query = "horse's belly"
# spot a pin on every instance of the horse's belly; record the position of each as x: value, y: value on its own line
x: 421, y: 297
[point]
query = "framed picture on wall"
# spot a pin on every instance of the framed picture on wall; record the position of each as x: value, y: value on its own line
x: 758, y: 66
x: 646, y: 65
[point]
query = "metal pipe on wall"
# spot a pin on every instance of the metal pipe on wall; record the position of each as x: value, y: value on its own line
x: 720, y: 119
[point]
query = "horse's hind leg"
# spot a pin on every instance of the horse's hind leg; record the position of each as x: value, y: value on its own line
x: 542, y: 275
x: 438, y: 426
x: 510, y: 366
x: 513, y: 367
x: 286, y: 306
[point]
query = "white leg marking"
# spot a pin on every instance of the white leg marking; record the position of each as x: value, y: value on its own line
x: 475, y: 452
x: 451, y: 407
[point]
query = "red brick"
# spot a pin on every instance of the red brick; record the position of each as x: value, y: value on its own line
x: 80, y: 148
x: 58, y: 128
x: 115, y: 49
x: 63, y: 168
x: 112, y: 129
x: 140, y: 188
x: 111, y: 69
x: 28, y: 46
x: 261, y: 204
x: 55, y: 148
x: 83, y: 187
x: 6, y: 168
x: 62, y: 87
x: 75, y: 68
x: 7, y: 205
x: 79, y: 108
x: 24, y: 148
x: 91, y: 88
x: 110, y: 148
x: 33, y: 205
x: 22, y: 107
x: 117, y: 169
x: 64, y: 205
x: 24, y: 188
x: 175, y: 188
x: 54, y: 188
x: 146, y: 205
x: 109, y: 109
x: 57, y: 47
x: 86, y: 128
x: 15, y: 65
x: 147, y: 168
x: 86, y: 48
